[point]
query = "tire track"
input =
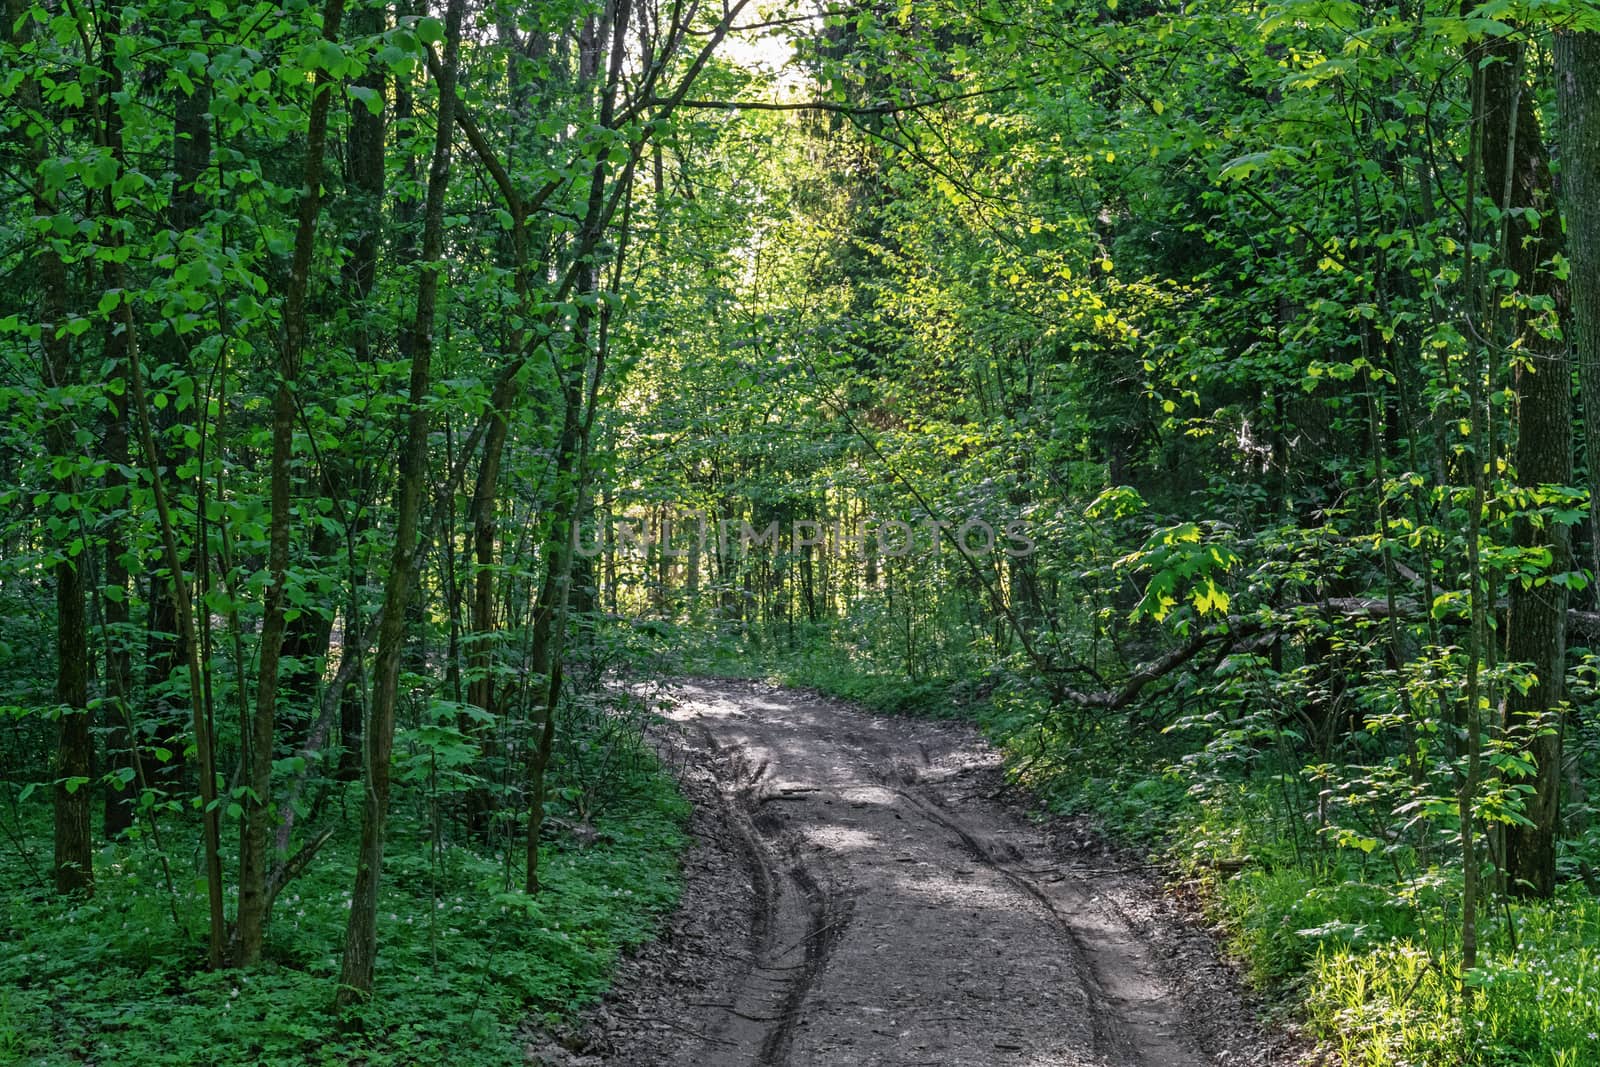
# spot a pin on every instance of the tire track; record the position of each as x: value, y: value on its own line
x: 797, y: 922
x: 1129, y: 1025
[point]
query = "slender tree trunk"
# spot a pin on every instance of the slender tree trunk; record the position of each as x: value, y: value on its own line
x: 608, y: 568
x: 308, y: 638
x: 361, y: 935
x: 575, y: 375
x: 366, y: 179
x: 119, y: 801
x: 305, y: 643
x: 188, y: 640
x: 480, y: 654
x: 74, y: 758
x: 481, y: 619
x: 1471, y: 715
x: 191, y: 156
x: 120, y: 740
x: 74, y: 867
x: 259, y: 731
x: 182, y: 606
x: 550, y: 610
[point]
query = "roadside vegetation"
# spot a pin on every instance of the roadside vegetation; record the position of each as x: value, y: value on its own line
x: 469, y: 963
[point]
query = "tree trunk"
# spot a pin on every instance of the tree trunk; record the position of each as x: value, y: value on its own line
x: 1577, y: 57
x: 1517, y: 175
x: 191, y: 156
x: 188, y: 641
x: 361, y: 935
x: 480, y: 651
x: 73, y: 862
x: 259, y: 732
x: 309, y: 641
x: 74, y: 868
x: 120, y: 737
x: 119, y: 801
x: 306, y: 638
x: 549, y: 623
x: 577, y: 376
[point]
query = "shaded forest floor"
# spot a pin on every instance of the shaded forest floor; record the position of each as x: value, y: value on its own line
x: 870, y: 890
x: 462, y: 962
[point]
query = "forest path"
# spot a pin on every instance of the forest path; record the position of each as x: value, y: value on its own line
x: 860, y: 894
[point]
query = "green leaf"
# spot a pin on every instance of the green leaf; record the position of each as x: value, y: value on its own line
x: 430, y: 30
x: 330, y: 57
x: 1244, y: 167
x: 370, y: 97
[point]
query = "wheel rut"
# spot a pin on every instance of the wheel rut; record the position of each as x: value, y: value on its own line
x: 1130, y: 1024
x: 797, y: 919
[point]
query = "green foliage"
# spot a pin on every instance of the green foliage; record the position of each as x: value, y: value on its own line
x: 1398, y: 1003
x: 465, y: 961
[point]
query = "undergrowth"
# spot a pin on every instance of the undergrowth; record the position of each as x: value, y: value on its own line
x: 462, y: 962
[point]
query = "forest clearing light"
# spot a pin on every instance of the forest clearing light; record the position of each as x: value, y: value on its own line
x: 764, y: 44
x: 759, y: 51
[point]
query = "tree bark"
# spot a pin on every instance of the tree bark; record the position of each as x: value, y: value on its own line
x: 573, y: 371
x: 1517, y: 175
x: 188, y: 641
x: 120, y: 756
x: 191, y: 156
x: 73, y: 866
x: 120, y: 738
x: 550, y: 612
x: 1577, y: 71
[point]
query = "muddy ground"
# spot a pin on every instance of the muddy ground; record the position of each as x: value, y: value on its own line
x: 866, y: 891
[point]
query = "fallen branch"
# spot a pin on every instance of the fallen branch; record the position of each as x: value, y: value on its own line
x: 1236, y: 630
x: 288, y: 870
x: 1228, y: 636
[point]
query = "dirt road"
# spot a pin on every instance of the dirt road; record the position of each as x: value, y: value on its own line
x: 860, y: 895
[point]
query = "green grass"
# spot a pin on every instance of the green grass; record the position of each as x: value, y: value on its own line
x: 1395, y: 1004
x: 461, y: 963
